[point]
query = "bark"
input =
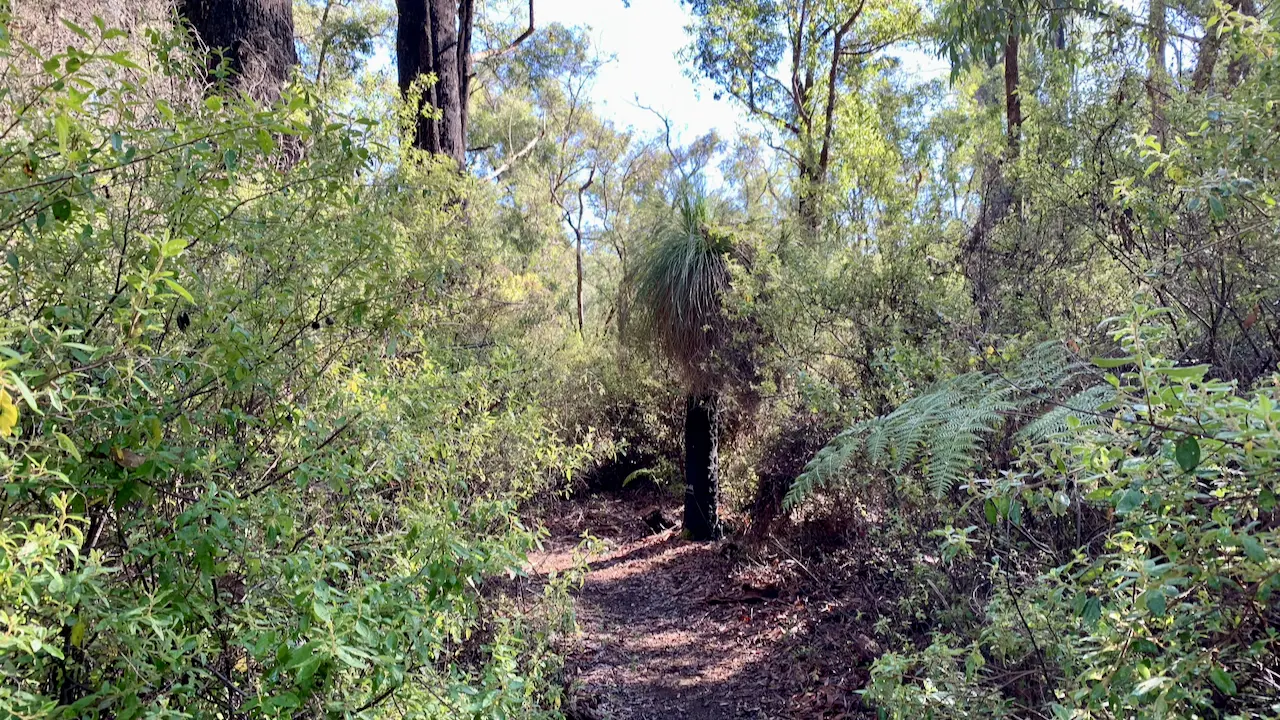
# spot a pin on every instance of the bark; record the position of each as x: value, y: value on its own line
x: 1202, y: 77
x: 433, y: 37
x: 255, y: 37
x: 414, y: 60
x: 1157, y: 74
x: 577, y: 234
x: 427, y: 43
x: 1012, y: 93
x: 445, y: 49
x: 701, y: 468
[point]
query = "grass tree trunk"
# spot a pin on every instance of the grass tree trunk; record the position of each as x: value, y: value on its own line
x: 701, y: 467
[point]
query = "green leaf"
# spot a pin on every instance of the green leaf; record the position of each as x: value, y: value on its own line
x: 61, y: 209
x: 1187, y: 453
x: 1216, y: 208
x: 26, y: 392
x: 322, y: 611
x: 68, y: 445
x: 265, y: 143
x: 1193, y: 372
x: 1252, y: 548
x: 1130, y: 500
x: 1149, y: 685
x: 213, y: 103
x: 1156, y: 601
x: 1266, y: 499
x: 173, y: 247
x: 1092, y: 611
x: 1223, y: 680
x: 76, y: 29
x: 1113, y: 362
x: 179, y: 290
x: 204, y: 557
x: 989, y: 509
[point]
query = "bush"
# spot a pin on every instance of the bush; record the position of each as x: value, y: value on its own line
x: 1168, y: 610
x: 251, y: 461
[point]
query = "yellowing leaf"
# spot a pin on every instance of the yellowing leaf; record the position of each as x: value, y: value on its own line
x: 8, y: 413
x: 77, y: 634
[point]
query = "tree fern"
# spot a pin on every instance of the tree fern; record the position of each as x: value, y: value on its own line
x: 942, y: 431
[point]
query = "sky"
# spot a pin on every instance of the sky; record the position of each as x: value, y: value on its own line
x: 644, y: 41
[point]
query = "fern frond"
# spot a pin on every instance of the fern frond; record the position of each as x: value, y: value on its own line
x: 1084, y: 407
x: 943, y: 430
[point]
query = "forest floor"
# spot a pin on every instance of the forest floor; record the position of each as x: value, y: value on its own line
x: 705, y: 631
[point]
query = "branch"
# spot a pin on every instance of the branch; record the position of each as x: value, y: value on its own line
x: 272, y: 480
x: 504, y: 167
x: 490, y: 54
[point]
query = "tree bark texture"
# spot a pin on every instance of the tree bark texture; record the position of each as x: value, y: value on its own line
x: 255, y: 37
x: 1012, y: 93
x: 433, y: 38
x: 701, y: 467
x: 428, y: 43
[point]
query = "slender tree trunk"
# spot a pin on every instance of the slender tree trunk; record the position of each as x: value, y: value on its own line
x: 445, y: 50
x: 976, y: 256
x: 1012, y: 93
x: 701, y: 467
x: 255, y: 37
x: 466, y: 60
x: 581, y: 324
x: 1157, y: 77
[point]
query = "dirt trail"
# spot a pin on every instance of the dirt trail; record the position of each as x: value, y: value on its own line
x: 673, y: 629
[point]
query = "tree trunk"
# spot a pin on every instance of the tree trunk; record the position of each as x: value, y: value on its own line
x: 1157, y: 83
x: 1012, y: 93
x: 701, y: 467
x: 428, y: 42
x: 581, y: 324
x: 255, y: 36
x: 413, y: 61
x: 445, y: 49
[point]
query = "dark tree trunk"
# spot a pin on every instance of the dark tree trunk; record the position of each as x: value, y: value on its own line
x: 414, y: 60
x: 255, y: 36
x: 1012, y: 93
x: 701, y: 467
x: 433, y: 37
x: 445, y: 50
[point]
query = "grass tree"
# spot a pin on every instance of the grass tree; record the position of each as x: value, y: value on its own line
x: 679, y: 282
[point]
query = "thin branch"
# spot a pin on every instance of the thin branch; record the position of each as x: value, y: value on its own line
x: 490, y: 54
x: 506, y: 166
x: 267, y: 483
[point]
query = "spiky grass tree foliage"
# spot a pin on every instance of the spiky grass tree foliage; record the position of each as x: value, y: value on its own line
x: 680, y: 279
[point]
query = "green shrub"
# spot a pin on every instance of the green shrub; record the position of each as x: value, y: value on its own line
x: 1169, y: 611
x: 250, y: 461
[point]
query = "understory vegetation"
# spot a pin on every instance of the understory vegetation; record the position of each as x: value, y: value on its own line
x: 287, y: 379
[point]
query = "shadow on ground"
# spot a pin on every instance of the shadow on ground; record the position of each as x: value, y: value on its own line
x: 673, y: 629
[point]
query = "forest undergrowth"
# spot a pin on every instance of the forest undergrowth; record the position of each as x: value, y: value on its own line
x: 355, y: 363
